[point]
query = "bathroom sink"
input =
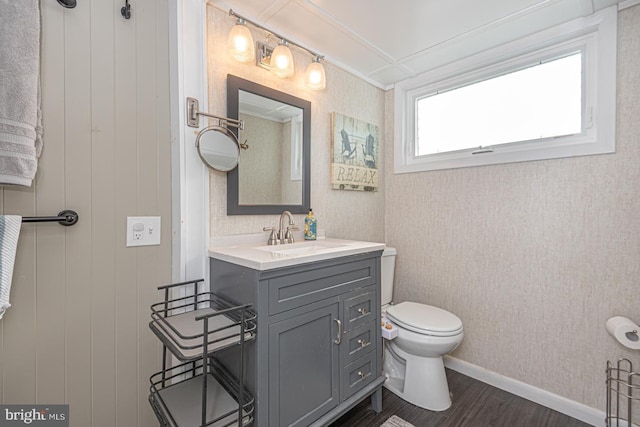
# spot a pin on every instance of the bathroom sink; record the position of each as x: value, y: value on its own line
x: 266, y: 257
x: 307, y: 247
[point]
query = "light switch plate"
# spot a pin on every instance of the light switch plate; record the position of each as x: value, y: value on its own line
x: 143, y: 230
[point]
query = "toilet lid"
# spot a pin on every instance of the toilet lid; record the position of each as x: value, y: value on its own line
x: 425, y: 319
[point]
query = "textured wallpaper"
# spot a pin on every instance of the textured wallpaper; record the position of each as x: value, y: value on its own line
x: 343, y: 214
x: 533, y: 257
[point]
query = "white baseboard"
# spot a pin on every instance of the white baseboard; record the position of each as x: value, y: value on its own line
x: 558, y: 403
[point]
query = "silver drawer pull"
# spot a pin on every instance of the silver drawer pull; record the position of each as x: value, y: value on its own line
x: 363, y: 375
x: 338, y: 339
x: 362, y: 311
x: 363, y: 343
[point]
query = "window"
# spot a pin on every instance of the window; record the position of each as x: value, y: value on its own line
x: 553, y: 96
x: 542, y: 101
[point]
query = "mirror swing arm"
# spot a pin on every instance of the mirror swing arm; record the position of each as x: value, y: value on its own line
x: 215, y: 157
x: 194, y: 113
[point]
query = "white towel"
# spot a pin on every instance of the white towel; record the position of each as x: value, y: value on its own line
x: 20, y: 116
x: 9, y: 233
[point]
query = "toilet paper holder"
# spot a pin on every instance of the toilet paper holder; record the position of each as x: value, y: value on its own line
x: 632, y: 335
x: 625, y: 331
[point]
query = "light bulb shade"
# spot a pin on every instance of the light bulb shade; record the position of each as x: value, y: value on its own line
x: 240, y: 43
x: 315, y: 77
x: 282, y: 61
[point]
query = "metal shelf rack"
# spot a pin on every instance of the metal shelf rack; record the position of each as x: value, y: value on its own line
x: 200, y: 391
x: 623, y: 394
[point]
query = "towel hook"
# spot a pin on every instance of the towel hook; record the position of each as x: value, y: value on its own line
x: 69, y: 4
x: 126, y: 10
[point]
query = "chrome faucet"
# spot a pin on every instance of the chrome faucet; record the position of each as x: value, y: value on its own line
x: 284, y: 234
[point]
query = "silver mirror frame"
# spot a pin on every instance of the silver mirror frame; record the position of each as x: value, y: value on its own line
x: 230, y: 135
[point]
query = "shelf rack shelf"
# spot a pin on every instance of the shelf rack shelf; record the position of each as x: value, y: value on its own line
x: 180, y: 403
x: 194, y: 326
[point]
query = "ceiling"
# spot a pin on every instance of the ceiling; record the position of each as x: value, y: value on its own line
x: 386, y: 41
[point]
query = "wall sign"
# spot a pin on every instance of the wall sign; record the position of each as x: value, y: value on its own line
x: 355, y: 147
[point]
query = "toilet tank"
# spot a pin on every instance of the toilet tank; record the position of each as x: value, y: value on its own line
x: 387, y: 269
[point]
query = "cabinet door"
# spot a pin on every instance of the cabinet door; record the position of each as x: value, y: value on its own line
x: 304, y: 371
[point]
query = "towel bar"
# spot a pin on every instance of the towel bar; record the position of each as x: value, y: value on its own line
x: 65, y: 218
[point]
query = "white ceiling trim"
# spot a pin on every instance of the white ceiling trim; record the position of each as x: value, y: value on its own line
x: 327, y: 57
x: 339, y: 26
x: 627, y: 3
x: 455, y: 43
x: 392, y: 62
x: 385, y: 58
x: 344, y: 29
x: 271, y: 10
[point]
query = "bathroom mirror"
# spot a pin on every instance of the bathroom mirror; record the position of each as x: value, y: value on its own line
x: 273, y: 174
x: 218, y: 148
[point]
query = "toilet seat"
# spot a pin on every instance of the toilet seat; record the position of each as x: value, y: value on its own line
x: 425, y: 319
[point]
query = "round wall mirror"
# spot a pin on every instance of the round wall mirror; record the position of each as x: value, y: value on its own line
x: 218, y: 148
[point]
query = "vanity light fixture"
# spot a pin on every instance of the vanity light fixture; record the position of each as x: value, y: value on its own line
x: 282, y: 60
x: 240, y: 42
x: 279, y: 59
x: 315, y: 77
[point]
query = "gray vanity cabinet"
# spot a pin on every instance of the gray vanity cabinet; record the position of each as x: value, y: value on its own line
x: 317, y: 351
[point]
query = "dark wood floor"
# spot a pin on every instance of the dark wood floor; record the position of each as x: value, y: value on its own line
x: 475, y: 404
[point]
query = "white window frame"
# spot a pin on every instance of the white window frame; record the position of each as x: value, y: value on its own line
x: 595, y: 36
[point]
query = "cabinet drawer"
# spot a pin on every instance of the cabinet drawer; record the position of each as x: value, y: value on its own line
x: 298, y: 288
x: 358, y: 342
x: 358, y: 374
x: 360, y: 308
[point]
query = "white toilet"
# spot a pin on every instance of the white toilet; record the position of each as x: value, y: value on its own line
x: 413, y: 360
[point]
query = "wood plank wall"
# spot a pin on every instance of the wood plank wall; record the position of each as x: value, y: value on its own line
x: 77, y: 330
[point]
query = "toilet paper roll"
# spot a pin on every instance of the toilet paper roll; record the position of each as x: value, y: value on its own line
x: 625, y: 331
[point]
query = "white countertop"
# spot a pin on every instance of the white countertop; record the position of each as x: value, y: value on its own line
x: 247, y: 251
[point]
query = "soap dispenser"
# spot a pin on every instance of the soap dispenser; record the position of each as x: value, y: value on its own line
x: 310, y: 226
